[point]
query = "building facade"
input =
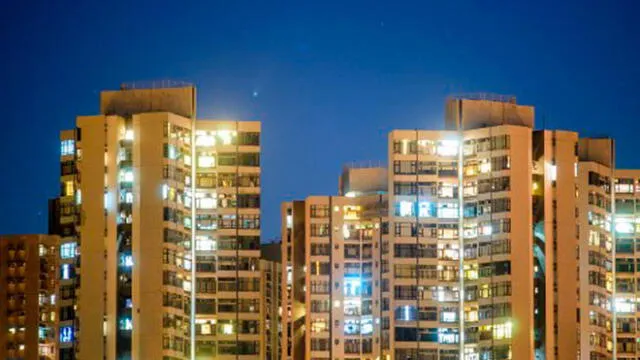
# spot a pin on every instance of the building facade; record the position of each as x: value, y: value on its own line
x: 29, y: 293
x: 332, y: 261
x: 484, y: 249
x: 164, y: 213
x: 271, y: 270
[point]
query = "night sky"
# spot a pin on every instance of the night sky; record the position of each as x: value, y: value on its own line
x: 327, y: 80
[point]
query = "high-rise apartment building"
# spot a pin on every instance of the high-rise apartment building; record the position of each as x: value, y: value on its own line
x: 29, y: 290
x: 478, y: 250
x: 331, y: 270
x: 163, y: 212
x: 608, y: 231
x: 271, y: 269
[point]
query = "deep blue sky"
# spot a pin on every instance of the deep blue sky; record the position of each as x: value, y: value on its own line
x: 332, y: 78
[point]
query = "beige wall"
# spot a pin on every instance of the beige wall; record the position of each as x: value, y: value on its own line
x: 178, y: 100
x: 476, y: 114
x: 91, y: 303
x: 147, y: 235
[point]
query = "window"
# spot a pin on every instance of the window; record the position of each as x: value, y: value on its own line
x: 502, y: 331
x: 448, y: 210
x: 128, y: 134
x: 351, y: 327
x: 66, y: 271
x: 68, y: 250
x: 447, y: 148
x: 66, y: 334
x: 206, y: 203
x: 205, y: 140
x: 206, y: 161
x: 68, y: 188
x: 126, y: 260
x: 205, y: 243
x: 404, y: 208
x: 319, y: 325
x: 126, y: 176
x: 67, y: 147
x: 126, y: 324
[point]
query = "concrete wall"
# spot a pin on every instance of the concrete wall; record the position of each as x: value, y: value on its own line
x: 474, y: 114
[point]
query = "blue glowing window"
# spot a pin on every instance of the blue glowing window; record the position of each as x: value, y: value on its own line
x: 68, y: 250
x: 67, y: 147
x: 66, y: 334
x: 66, y: 271
x: 126, y: 324
x: 126, y: 260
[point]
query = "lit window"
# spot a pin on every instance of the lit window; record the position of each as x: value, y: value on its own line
x: 227, y: 329
x: 553, y: 172
x: 225, y: 136
x: 351, y: 212
x: 206, y: 161
x: 126, y: 176
x: 67, y: 147
x: 165, y: 191
x: 406, y: 208
x: 289, y: 221
x: 171, y: 154
x: 345, y: 231
x: 351, y: 327
x: 625, y: 306
x: 66, y: 271
x: 352, y: 307
x: 78, y: 197
x: 42, y: 250
x: 68, y: 250
x: 205, y: 329
x: 126, y: 324
x: 485, y: 166
x: 206, y: 203
x: 352, y: 286
x: 186, y: 285
x: 52, y: 299
x: 445, y: 336
x: 502, y: 331
x: 448, y: 210
x: 366, y: 327
x: 448, y: 147
x: 187, y: 160
x: 624, y: 227
x: 448, y: 316
x: 68, y: 188
x: 128, y: 197
x: 128, y: 134
x: 205, y: 140
x: 205, y: 243
x: 66, y: 334
x: 126, y: 260
x: 447, y: 190
x: 425, y: 209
